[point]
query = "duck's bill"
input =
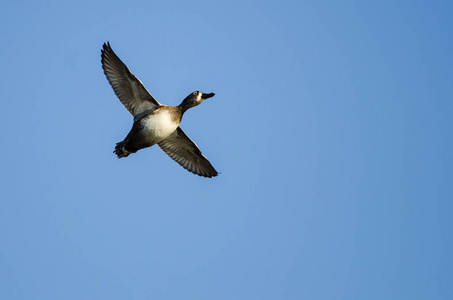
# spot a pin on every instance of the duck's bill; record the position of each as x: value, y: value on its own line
x: 206, y: 96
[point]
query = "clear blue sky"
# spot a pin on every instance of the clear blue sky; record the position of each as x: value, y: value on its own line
x: 331, y: 127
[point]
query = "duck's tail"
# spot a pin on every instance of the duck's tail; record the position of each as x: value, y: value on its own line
x: 120, y: 151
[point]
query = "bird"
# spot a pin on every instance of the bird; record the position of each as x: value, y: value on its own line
x: 154, y: 123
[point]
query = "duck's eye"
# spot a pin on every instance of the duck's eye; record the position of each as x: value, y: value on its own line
x: 195, y: 93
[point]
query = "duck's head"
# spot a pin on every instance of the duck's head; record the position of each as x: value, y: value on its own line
x: 194, y: 99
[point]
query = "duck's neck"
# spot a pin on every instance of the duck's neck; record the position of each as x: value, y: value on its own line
x: 185, y: 106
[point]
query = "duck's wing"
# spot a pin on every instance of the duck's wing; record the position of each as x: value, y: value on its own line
x: 186, y: 153
x: 128, y: 88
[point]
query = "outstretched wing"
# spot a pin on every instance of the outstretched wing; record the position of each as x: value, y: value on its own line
x: 128, y: 88
x: 186, y: 153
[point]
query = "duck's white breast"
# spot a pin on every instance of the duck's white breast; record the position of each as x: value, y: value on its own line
x: 160, y: 125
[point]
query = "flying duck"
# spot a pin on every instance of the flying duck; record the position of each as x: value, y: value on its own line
x: 154, y: 123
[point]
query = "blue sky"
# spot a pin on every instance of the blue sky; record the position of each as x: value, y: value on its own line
x: 331, y: 127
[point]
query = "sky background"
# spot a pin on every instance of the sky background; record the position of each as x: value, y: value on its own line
x: 331, y: 127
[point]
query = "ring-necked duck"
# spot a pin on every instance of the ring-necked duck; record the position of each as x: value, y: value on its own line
x: 154, y: 123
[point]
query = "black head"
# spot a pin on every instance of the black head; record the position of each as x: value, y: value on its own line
x: 194, y: 99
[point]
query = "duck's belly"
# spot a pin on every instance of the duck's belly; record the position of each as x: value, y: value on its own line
x: 159, y: 126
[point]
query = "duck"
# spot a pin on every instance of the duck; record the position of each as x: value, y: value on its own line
x: 154, y: 123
